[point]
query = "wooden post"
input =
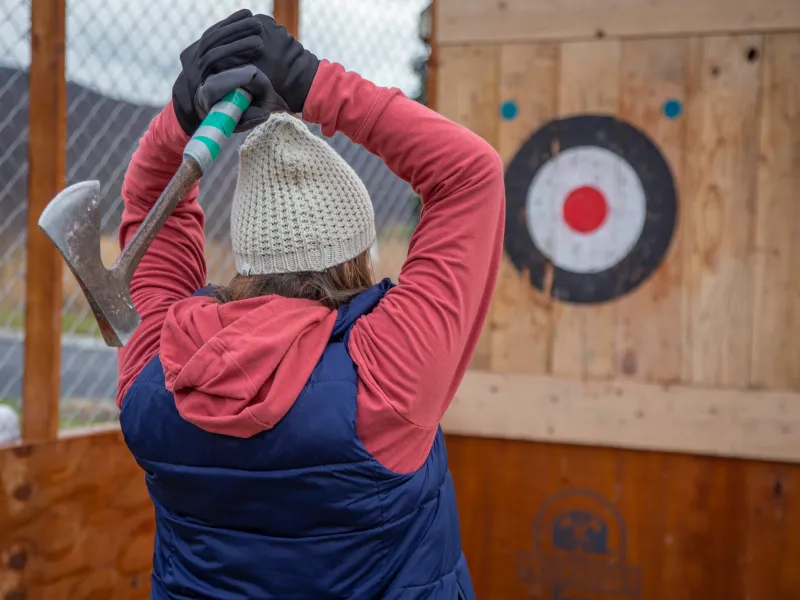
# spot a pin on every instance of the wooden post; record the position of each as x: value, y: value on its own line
x: 433, y: 64
x: 47, y: 151
x: 287, y: 13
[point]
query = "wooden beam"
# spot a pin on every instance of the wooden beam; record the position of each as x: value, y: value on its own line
x: 433, y: 61
x: 623, y: 414
x: 485, y: 21
x: 47, y: 150
x: 287, y: 13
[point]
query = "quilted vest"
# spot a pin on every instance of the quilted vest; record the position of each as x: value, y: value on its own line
x: 300, y: 511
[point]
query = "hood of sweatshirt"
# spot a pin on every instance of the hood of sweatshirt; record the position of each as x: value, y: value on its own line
x: 237, y: 368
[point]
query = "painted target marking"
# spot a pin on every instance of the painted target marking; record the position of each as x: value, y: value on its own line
x: 594, y: 197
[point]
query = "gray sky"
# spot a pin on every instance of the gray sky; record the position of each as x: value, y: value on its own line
x: 129, y: 49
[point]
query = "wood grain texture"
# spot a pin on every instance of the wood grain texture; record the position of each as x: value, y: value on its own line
x: 776, y: 302
x: 467, y: 88
x: 77, y: 522
x: 649, y: 333
x: 287, y: 13
x: 720, y: 180
x: 485, y: 21
x: 521, y: 332
x: 626, y: 414
x: 585, y: 336
x: 47, y: 152
x: 433, y: 61
x: 696, y: 528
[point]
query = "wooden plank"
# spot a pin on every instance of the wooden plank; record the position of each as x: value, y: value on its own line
x: 521, y: 332
x: 585, y: 336
x: 481, y: 21
x: 627, y: 414
x: 677, y: 526
x: 433, y: 61
x: 77, y: 521
x: 722, y: 115
x: 776, y: 308
x: 467, y: 86
x: 649, y: 334
x: 287, y: 13
x: 47, y: 151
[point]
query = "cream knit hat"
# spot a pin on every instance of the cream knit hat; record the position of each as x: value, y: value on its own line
x: 298, y: 205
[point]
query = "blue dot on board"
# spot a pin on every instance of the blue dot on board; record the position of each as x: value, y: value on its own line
x: 672, y: 108
x: 509, y: 110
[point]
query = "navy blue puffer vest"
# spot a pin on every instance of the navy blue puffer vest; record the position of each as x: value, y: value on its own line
x: 300, y: 511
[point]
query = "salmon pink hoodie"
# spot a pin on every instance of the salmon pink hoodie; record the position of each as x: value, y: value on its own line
x: 237, y: 368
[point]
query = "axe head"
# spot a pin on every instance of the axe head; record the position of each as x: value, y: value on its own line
x: 72, y: 222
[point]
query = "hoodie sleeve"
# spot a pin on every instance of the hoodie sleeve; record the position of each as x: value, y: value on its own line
x: 413, y: 349
x: 174, y: 266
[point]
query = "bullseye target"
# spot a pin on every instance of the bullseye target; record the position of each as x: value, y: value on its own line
x: 593, y: 197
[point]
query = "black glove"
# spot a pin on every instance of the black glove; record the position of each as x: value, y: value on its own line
x: 290, y: 67
x: 220, y: 61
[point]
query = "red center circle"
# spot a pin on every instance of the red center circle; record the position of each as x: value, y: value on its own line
x: 585, y: 209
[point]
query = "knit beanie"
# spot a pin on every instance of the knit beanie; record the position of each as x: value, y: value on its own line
x: 298, y: 206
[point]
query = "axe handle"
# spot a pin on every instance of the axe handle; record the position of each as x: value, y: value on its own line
x: 198, y: 155
x: 216, y: 128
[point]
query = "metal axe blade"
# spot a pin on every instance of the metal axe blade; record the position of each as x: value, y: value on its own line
x: 72, y: 222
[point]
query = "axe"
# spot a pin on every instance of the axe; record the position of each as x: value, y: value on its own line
x: 72, y: 222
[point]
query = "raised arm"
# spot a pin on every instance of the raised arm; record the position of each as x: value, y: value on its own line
x: 413, y: 349
x: 174, y: 266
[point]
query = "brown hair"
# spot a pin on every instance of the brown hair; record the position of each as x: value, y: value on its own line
x: 332, y: 287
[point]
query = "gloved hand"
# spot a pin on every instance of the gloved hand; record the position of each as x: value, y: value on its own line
x: 220, y: 61
x: 290, y: 67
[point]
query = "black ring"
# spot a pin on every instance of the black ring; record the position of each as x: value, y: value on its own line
x: 661, y: 210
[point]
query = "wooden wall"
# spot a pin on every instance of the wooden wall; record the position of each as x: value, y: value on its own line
x: 723, y: 308
x: 628, y: 418
x: 693, y: 528
x: 76, y: 522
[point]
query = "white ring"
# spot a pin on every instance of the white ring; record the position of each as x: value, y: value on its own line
x: 604, y: 247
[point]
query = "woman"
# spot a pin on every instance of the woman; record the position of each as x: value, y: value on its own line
x: 288, y: 423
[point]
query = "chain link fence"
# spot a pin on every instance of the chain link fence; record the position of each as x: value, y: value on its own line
x: 122, y: 57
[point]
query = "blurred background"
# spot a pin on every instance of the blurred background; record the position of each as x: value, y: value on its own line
x: 122, y: 57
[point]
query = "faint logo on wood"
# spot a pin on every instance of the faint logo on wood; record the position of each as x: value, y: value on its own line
x: 580, y: 547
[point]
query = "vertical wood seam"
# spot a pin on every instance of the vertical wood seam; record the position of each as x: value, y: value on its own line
x: 765, y: 73
x: 754, y: 198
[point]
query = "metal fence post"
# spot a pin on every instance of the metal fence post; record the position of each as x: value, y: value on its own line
x: 47, y: 140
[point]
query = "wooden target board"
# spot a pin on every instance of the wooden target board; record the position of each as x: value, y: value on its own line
x: 648, y: 299
x: 599, y: 205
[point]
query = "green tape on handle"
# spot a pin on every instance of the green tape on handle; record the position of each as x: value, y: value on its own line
x: 216, y: 128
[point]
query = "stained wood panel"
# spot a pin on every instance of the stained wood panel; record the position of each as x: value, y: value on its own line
x: 485, y: 21
x: 649, y: 334
x: 76, y: 519
x: 720, y: 180
x: 467, y: 88
x: 776, y: 308
x: 695, y: 528
x: 585, y: 337
x: 521, y: 333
